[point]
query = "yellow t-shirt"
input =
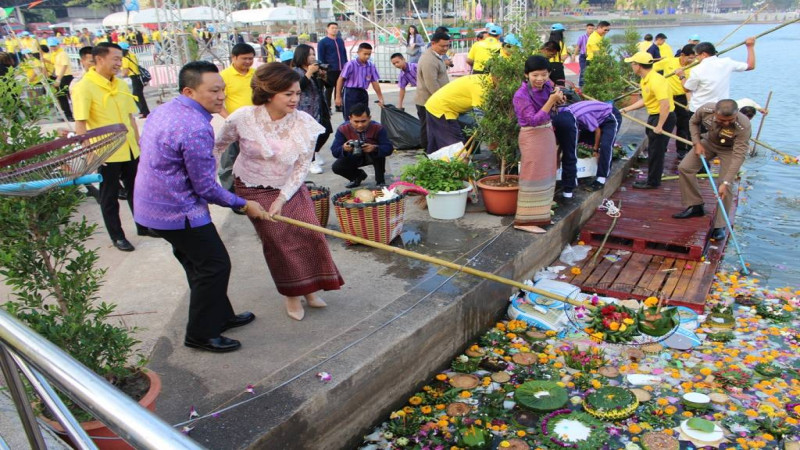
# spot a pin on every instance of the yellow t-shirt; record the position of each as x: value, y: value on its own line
x: 156, y: 36
x: 665, y: 50
x: 11, y: 45
x: 238, y: 92
x: 101, y: 102
x: 60, y: 59
x: 561, y: 57
x: 49, y: 66
x: 654, y: 89
x: 33, y: 70
x: 668, y: 66
x: 644, y: 45
x: 457, y: 97
x: 593, y: 45
x: 482, y: 51
x: 31, y: 44
x: 131, y: 63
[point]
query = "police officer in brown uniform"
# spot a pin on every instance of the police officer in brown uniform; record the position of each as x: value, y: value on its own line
x: 727, y: 138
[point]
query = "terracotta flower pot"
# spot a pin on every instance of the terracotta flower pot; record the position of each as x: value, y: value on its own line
x: 96, y: 429
x: 500, y: 200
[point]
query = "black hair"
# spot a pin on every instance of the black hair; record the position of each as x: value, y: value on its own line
x: 748, y: 111
x: 364, y: 46
x: 661, y: 36
x: 603, y: 23
x: 536, y: 62
x: 331, y: 23
x: 243, y: 49
x: 480, y: 35
x: 396, y: 55
x: 727, y: 108
x: 359, y: 109
x: 442, y: 30
x: 589, y: 24
x: 557, y: 36
x: 85, y: 51
x: 439, y: 36
x: 705, y: 47
x: 408, y: 34
x: 300, y: 58
x: 552, y: 46
x: 687, y: 50
x: 191, y: 75
x: 103, y: 48
x: 648, y: 37
x: 44, y: 49
x: 645, y: 66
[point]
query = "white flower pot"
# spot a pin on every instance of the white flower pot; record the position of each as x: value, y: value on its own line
x: 448, y: 205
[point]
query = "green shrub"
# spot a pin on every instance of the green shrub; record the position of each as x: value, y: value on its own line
x: 604, y: 77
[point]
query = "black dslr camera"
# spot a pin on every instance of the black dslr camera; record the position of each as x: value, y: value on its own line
x: 355, y: 144
x: 322, y: 65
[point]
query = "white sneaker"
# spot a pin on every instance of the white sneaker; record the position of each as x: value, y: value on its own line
x: 318, y: 159
x: 315, y: 168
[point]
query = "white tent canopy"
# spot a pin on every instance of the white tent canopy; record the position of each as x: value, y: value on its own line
x: 197, y: 14
x: 280, y: 14
x: 120, y: 19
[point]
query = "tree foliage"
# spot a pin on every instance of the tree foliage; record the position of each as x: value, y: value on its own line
x: 604, y: 75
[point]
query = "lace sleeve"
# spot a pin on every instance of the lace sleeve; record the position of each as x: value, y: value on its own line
x: 307, y: 126
x: 227, y: 135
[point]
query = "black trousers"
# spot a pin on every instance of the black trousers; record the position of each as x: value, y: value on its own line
x: 208, y: 268
x: 423, y: 132
x: 349, y: 167
x: 656, y: 148
x: 330, y: 85
x: 682, y: 116
x: 138, y: 90
x: 62, y: 94
x: 113, y: 173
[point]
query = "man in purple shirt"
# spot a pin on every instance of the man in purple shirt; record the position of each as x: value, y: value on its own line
x: 177, y: 179
x: 581, y: 49
x: 356, y: 77
x: 407, y: 75
x: 603, y: 120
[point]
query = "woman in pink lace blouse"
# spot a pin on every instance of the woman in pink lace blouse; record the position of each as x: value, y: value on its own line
x: 277, y: 143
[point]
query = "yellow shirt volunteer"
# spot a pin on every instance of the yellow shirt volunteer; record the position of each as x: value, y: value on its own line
x: 654, y: 89
x: 644, y: 46
x: 61, y: 59
x: 156, y: 36
x: 31, y: 44
x: 482, y: 51
x: 593, y: 45
x: 11, y: 45
x: 238, y: 92
x: 101, y: 102
x: 131, y: 62
x: 668, y: 66
x: 49, y: 65
x: 665, y: 50
x: 34, y: 70
x: 562, y: 54
x: 458, y: 96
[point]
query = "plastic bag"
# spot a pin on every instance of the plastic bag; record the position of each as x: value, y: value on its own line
x: 573, y: 254
x: 403, y: 128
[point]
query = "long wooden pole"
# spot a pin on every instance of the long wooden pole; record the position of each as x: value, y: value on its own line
x: 432, y: 260
x: 761, y: 124
x: 749, y: 18
x: 769, y: 147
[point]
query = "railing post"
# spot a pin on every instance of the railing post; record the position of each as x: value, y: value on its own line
x: 20, y: 398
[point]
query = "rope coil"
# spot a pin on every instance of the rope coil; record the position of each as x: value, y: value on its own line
x: 610, y: 208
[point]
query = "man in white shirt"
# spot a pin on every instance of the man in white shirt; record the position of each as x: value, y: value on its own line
x: 710, y: 81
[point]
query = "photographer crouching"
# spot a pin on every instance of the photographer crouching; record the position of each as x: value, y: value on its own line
x: 360, y: 142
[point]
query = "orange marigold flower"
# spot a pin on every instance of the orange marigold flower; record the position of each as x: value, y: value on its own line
x: 415, y: 400
x: 441, y: 377
x: 575, y: 271
x: 634, y: 428
x: 466, y: 394
x: 426, y: 409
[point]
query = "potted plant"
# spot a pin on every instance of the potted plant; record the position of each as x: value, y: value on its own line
x: 499, y: 126
x: 446, y: 182
x: 54, y: 277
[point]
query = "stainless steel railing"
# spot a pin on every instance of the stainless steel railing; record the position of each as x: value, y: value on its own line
x: 42, y: 363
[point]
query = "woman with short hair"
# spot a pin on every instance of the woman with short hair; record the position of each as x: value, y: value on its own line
x: 277, y: 143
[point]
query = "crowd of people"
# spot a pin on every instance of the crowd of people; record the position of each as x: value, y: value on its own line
x: 280, y: 116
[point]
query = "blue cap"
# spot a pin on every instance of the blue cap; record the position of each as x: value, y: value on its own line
x: 495, y: 30
x: 25, y: 33
x: 511, y: 39
x: 694, y: 37
x: 488, y: 24
x: 52, y: 42
x: 286, y: 55
x: 211, y: 28
x: 99, y: 33
x: 26, y: 51
x: 557, y: 27
x: 124, y: 45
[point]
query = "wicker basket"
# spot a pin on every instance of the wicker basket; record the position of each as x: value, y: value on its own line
x: 379, y: 222
x: 320, y: 195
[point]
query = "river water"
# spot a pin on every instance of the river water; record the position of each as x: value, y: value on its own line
x: 768, y: 216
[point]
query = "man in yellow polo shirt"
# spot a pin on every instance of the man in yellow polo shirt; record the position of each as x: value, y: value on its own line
x: 238, y: 93
x: 657, y: 98
x: 593, y: 43
x: 101, y: 99
x: 457, y: 97
x: 62, y: 74
x: 483, y: 50
x: 667, y: 66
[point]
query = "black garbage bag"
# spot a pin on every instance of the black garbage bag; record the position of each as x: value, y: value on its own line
x: 403, y: 128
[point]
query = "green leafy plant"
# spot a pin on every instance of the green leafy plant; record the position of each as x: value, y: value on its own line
x: 438, y: 175
x: 53, y: 276
x: 629, y: 46
x: 542, y: 396
x: 604, y: 76
x: 498, y: 127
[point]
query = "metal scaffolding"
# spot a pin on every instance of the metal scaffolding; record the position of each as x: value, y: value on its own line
x: 459, y: 10
x: 221, y: 25
x: 517, y: 16
x: 357, y: 7
x: 436, y: 12
x: 384, y: 12
x: 173, y: 51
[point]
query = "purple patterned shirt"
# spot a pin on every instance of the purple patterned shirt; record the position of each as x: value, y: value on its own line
x: 581, y: 45
x: 408, y: 76
x: 357, y: 75
x: 528, y: 103
x: 177, y: 176
x: 590, y: 113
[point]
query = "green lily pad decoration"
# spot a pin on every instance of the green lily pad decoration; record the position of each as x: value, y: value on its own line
x: 542, y: 396
x: 696, y: 423
x: 474, y: 437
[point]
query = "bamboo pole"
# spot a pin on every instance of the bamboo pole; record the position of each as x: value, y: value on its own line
x: 749, y: 18
x: 761, y: 124
x: 769, y: 147
x: 432, y: 260
x: 718, y: 53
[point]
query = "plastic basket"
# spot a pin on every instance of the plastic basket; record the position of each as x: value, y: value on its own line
x: 379, y: 222
x: 320, y: 195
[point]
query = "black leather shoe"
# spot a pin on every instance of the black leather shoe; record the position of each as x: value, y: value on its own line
x: 643, y: 185
x: 124, y: 245
x: 239, y: 320
x: 147, y: 232
x: 356, y: 183
x: 122, y: 194
x: 718, y: 234
x: 692, y: 211
x: 595, y: 186
x: 219, y: 344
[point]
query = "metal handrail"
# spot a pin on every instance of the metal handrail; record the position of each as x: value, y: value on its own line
x: 41, y: 361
